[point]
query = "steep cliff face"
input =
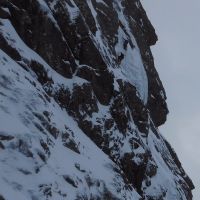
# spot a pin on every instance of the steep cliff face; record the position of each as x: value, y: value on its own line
x: 81, y: 103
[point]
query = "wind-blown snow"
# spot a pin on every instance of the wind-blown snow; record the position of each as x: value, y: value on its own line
x: 29, y: 55
x: 24, y: 175
x: 73, y: 12
x: 43, y: 152
x: 169, y: 179
x: 131, y: 67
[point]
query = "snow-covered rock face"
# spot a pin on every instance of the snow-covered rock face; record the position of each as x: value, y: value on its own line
x: 80, y: 104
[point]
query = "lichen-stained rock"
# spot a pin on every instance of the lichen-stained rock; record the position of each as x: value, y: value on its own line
x: 81, y: 103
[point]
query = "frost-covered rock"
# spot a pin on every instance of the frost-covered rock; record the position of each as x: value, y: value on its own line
x: 80, y: 104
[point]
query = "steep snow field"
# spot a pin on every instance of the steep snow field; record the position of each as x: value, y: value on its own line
x: 29, y: 171
x: 81, y: 135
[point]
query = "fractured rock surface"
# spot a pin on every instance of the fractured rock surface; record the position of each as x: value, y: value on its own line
x: 81, y: 103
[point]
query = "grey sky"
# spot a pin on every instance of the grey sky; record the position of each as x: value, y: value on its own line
x: 177, y: 59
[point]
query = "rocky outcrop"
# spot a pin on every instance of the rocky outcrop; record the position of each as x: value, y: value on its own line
x: 81, y: 77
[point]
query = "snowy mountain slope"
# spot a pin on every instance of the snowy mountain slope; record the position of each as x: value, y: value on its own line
x: 80, y: 104
x: 44, y: 154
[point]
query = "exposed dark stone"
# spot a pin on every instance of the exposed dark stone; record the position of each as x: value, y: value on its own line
x: 89, y: 181
x: 41, y: 34
x: 12, y: 52
x: 69, y: 143
x: 46, y: 189
x: 86, y: 72
x: 42, y: 156
x: 52, y: 130
x: 3, y: 13
x: 134, y: 9
x: 1, y: 197
x: 85, y: 10
x: 119, y: 114
x: 3, y: 3
x: 83, y: 101
x: 24, y: 148
x: 45, y: 147
x: 69, y: 46
x: 70, y: 180
x: 89, y: 55
x: 102, y: 83
x: 108, y: 21
x: 41, y: 72
x: 80, y: 42
x: 155, y: 130
x: 151, y: 169
x: 6, y: 137
x: 74, y: 33
x: 79, y: 168
x: 107, y: 195
x: 145, y: 36
x: 94, y: 132
x: 103, y: 86
x: 25, y: 172
x: 1, y: 145
x: 108, y: 124
x: 138, y: 110
x: 158, y: 110
x: 134, y: 172
x: 62, y: 96
x: 178, y: 163
x: 47, y: 125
